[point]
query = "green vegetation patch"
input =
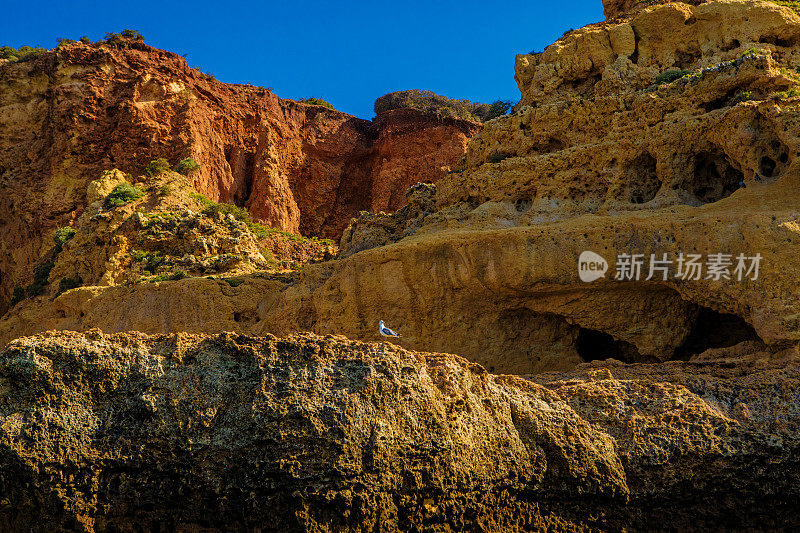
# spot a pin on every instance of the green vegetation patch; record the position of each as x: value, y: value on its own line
x: 61, y: 237
x: 156, y: 167
x: 150, y: 260
x: 68, y: 283
x: 317, y: 101
x: 186, y: 166
x: 40, y: 276
x: 118, y: 39
x: 122, y: 194
x: 21, y: 54
x: 671, y: 75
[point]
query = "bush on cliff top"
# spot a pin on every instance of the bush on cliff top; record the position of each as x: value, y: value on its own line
x: 121, y: 195
x: 316, y: 101
x: 117, y: 39
x: 431, y: 102
x: 21, y: 54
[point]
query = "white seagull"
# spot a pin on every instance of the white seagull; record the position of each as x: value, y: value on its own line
x: 386, y: 332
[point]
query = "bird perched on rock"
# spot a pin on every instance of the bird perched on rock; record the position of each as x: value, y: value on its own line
x: 386, y: 332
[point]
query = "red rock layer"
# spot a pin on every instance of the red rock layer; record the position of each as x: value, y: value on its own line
x: 81, y: 109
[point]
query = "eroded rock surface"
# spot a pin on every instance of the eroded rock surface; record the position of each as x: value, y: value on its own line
x: 123, y: 432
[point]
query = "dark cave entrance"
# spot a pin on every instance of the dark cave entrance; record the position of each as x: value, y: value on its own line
x: 714, y: 178
x: 713, y: 329
x: 593, y: 345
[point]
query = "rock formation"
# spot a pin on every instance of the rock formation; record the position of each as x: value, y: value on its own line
x: 603, y: 154
x: 669, y: 131
x: 82, y: 109
x: 308, y: 433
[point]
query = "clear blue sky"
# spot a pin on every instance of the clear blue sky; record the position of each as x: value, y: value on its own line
x: 348, y: 52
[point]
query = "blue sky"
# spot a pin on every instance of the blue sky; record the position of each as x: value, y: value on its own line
x: 347, y: 52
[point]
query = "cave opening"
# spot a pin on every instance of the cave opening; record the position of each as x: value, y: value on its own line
x: 714, y: 178
x: 712, y: 329
x: 766, y: 166
x: 594, y: 345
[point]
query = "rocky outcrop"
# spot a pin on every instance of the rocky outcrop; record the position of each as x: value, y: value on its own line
x: 82, y: 109
x: 309, y: 433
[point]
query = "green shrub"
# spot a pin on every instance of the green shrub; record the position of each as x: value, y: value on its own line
x: 151, y: 260
x: 21, y: 54
x: 316, y: 101
x: 132, y: 34
x: 17, y: 296
x: 429, y: 102
x: 63, y: 42
x: 185, y: 166
x: 178, y: 274
x: 118, y: 39
x: 156, y: 167
x: 741, y: 96
x: 62, y: 235
x: 498, y: 109
x: 790, y: 93
x: 234, y: 282
x: 68, y: 283
x: 85, y: 40
x: 752, y: 52
x: 121, y: 195
x: 670, y: 76
x: 165, y: 190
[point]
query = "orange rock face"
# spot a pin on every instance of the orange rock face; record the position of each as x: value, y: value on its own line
x: 81, y: 109
x: 414, y: 146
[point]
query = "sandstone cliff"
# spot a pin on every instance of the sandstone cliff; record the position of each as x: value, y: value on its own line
x: 308, y: 433
x: 636, y: 404
x: 604, y: 154
x: 81, y: 109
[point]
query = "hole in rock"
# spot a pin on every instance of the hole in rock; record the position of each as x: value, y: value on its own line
x: 786, y: 42
x: 722, y: 101
x: 713, y: 329
x: 593, y: 345
x: 766, y: 166
x: 731, y: 45
x: 714, y: 178
x: 642, y: 180
x: 523, y: 204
